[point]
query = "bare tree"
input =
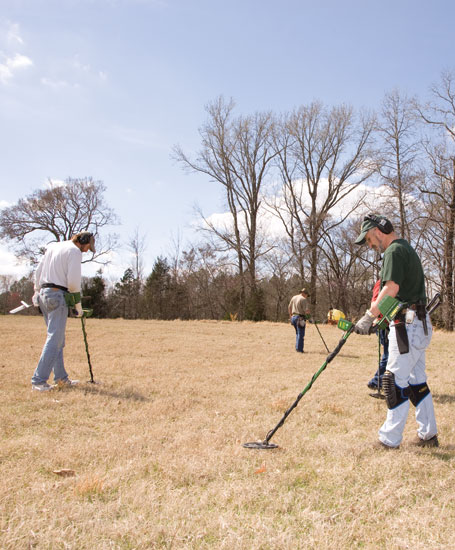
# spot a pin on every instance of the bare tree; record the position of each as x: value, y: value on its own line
x: 439, y: 192
x: 323, y: 157
x: 236, y: 153
x: 137, y: 245
x: 347, y: 272
x: 278, y: 267
x: 57, y: 213
x: 397, y: 157
x: 439, y: 188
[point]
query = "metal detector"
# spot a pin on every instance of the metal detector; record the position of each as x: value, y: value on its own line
x: 345, y: 325
x: 317, y: 328
x: 378, y: 394
x: 92, y: 381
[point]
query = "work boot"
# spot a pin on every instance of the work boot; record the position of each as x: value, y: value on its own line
x: 373, y: 384
x: 432, y: 442
x: 42, y: 387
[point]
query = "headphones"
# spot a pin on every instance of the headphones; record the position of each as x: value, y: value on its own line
x: 84, y: 238
x: 383, y: 224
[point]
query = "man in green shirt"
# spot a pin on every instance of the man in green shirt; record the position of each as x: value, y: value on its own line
x: 410, y: 334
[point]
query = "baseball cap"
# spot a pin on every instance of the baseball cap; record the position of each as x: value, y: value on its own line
x: 370, y: 222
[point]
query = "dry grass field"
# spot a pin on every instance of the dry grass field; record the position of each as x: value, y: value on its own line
x: 156, y: 446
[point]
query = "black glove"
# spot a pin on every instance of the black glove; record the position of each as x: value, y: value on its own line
x: 363, y: 325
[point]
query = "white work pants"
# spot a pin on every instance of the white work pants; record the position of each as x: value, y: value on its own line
x: 409, y: 368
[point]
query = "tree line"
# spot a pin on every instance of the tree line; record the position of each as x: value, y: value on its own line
x: 296, y: 187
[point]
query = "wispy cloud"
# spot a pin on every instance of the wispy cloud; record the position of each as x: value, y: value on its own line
x: 13, y: 36
x: 4, y: 204
x: 54, y: 84
x: 87, y: 69
x: 12, y: 60
x: 136, y: 137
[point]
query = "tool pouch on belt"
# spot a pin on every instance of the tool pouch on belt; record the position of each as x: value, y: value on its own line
x: 402, y: 335
x: 421, y: 312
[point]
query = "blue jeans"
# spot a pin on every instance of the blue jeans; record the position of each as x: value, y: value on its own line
x: 384, y: 340
x: 299, y: 332
x: 55, y: 312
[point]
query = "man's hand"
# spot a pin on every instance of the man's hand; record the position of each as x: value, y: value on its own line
x: 77, y: 310
x: 35, y: 298
x: 363, y: 325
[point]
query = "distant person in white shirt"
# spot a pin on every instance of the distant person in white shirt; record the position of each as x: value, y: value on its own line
x: 57, y: 285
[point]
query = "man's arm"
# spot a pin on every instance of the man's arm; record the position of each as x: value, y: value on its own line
x: 364, y: 324
x: 389, y: 289
x: 37, y: 283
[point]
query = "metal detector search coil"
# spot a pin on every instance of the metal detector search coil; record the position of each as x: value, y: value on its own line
x: 266, y: 443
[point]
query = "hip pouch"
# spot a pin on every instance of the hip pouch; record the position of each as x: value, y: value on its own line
x: 402, y: 337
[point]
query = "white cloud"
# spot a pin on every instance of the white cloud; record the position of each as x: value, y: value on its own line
x: 19, y: 61
x: 13, y: 64
x: 10, y: 265
x: 52, y: 183
x: 4, y: 204
x: 374, y: 198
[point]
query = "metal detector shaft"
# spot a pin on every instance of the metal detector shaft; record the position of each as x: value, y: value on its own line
x: 86, y: 349
x: 317, y: 328
x: 307, y: 387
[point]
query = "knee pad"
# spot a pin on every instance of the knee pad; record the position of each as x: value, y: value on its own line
x: 394, y: 395
x: 417, y: 392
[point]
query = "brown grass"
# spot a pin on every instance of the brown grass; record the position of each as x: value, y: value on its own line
x: 157, y: 446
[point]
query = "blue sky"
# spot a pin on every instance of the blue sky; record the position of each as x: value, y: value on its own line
x: 105, y: 88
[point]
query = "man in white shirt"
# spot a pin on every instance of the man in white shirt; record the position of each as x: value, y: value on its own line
x: 57, y: 278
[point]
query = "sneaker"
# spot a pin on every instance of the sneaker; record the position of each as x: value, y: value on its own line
x: 379, y: 445
x: 66, y: 383
x: 432, y: 442
x: 42, y: 387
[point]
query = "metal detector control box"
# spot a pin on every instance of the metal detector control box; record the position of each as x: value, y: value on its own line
x: 344, y: 324
x: 389, y: 307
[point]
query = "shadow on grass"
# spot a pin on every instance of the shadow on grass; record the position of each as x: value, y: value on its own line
x: 443, y: 398
x: 446, y: 453
x: 127, y: 393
